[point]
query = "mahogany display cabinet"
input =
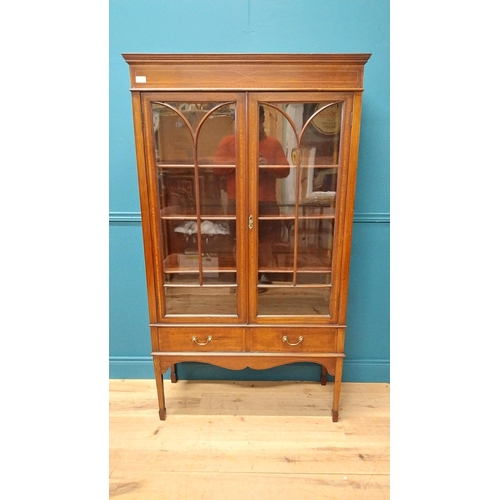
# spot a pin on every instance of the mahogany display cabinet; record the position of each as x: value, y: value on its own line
x: 247, y: 169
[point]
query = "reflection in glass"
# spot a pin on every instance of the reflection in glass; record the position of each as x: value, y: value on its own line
x: 197, y: 224
x: 314, y: 246
x: 177, y: 193
x: 176, y: 124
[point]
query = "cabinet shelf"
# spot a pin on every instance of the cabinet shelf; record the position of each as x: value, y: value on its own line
x: 307, y: 211
x: 189, y: 213
x: 288, y: 286
x: 161, y: 165
x: 208, y: 164
x: 302, y: 165
x: 300, y: 217
x: 225, y: 263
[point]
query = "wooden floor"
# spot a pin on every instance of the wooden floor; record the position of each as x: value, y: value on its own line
x: 248, y: 440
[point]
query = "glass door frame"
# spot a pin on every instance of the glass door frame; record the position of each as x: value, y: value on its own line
x: 271, y: 97
x: 239, y: 99
x: 247, y: 129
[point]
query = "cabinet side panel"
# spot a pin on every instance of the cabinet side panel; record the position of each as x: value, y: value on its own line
x: 144, y: 202
x: 349, y: 206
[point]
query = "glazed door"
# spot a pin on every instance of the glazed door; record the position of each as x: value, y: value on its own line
x: 246, y: 194
x: 196, y: 165
x: 297, y: 161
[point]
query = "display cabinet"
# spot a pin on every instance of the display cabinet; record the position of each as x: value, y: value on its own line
x: 247, y: 169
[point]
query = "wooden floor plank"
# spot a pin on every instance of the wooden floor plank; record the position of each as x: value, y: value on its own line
x: 248, y: 440
x: 195, y: 485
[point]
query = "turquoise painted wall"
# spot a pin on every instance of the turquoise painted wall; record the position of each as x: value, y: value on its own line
x: 253, y: 26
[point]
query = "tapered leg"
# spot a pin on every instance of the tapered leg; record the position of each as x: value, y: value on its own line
x: 336, y: 389
x: 173, y: 374
x: 323, y: 375
x: 160, y: 389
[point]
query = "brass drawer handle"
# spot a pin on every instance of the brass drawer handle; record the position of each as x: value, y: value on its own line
x: 285, y: 339
x: 209, y: 339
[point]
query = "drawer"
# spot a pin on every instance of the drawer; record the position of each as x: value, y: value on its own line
x: 207, y: 339
x: 295, y: 340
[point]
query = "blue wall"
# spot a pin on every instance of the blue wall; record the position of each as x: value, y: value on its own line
x: 253, y: 26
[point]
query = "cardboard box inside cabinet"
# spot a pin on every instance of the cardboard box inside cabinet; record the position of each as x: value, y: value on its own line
x: 175, y: 143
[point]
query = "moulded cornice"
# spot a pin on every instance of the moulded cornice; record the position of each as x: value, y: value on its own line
x: 141, y: 58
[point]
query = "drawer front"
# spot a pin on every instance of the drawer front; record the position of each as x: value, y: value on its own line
x: 295, y: 340
x: 201, y: 339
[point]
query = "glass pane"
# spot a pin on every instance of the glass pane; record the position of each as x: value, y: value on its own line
x: 177, y: 126
x: 184, y: 268
x: 218, y: 126
x: 321, y: 151
x: 177, y: 193
x: 173, y: 136
x: 314, y: 246
x: 197, y: 224
x: 210, y: 301
x: 322, y: 131
x: 313, y: 278
x: 294, y: 301
x: 183, y: 240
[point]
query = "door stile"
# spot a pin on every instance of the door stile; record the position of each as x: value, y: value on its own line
x: 252, y: 188
x: 242, y: 256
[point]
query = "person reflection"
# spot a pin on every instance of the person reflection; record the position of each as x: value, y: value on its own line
x: 270, y: 153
